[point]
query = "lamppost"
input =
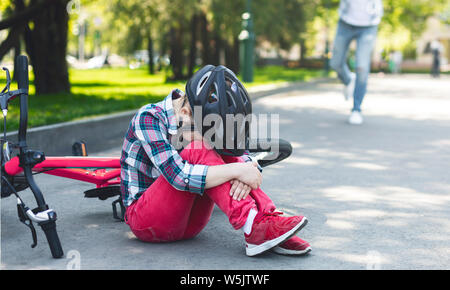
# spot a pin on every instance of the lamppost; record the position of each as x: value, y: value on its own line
x: 247, y: 39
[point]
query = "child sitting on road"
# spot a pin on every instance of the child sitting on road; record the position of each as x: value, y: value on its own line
x: 170, y: 196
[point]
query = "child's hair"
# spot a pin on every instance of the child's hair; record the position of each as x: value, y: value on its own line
x: 180, y: 100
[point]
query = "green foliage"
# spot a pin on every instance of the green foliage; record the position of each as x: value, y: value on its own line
x: 410, y: 14
x: 279, y: 22
x: 129, y: 22
x: 226, y: 17
x: 104, y: 91
x: 404, y: 21
x: 277, y: 74
x: 136, y: 20
x: 4, y: 5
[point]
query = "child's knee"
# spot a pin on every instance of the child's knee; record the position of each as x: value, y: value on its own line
x: 200, y: 152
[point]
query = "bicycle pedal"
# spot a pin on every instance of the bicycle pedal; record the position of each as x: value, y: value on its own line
x: 102, y: 193
x: 79, y: 148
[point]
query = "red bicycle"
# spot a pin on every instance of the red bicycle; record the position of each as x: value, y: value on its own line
x: 104, y: 172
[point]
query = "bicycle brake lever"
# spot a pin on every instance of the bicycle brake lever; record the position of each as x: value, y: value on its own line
x: 33, y: 234
x: 22, y: 212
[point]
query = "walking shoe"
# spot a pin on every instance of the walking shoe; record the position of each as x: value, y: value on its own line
x: 293, y: 246
x: 355, y: 118
x: 350, y: 87
x: 270, y: 230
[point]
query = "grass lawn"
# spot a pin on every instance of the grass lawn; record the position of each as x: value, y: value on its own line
x: 102, y: 91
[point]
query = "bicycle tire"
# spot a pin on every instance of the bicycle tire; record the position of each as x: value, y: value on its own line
x: 280, y: 146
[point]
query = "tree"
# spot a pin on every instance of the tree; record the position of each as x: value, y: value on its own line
x: 46, y: 45
x: 404, y: 21
x: 411, y: 14
x: 167, y: 24
x: 178, y: 19
x: 43, y: 26
x: 207, y: 29
x: 227, y: 24
x: 141, y: 26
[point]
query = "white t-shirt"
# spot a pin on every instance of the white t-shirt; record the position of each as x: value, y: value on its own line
x: 361, y: 12
x: 436, y: 45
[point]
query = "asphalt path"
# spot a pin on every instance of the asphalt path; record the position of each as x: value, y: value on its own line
x: 377, y: 196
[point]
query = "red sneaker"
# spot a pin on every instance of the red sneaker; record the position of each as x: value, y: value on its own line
x: 270, y: 230
x: 293, y: 246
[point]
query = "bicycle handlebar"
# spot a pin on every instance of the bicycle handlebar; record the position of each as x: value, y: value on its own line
x: 42, y: 215
x: 54, y: 243
x: 22, y: 83
x: 22, y: 73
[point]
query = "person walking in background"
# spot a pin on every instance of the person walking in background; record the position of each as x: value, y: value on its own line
x: 358, y: 19
x: 436, y: 50
x: 395, y: 61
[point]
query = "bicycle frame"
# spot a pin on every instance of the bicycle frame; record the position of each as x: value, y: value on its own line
x: 103, y: 172
x: 78, y: 168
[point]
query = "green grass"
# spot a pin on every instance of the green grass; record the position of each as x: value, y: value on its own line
x: 277, y: 74
x: 102, y: 91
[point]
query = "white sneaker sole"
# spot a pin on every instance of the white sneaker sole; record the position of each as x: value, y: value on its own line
x: 283, y: 251
x: 355, y: 119
x: 355, y: 122
x: 253, y: 250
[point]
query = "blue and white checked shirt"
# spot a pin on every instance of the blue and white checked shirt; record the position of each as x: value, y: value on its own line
x: 147, y: 153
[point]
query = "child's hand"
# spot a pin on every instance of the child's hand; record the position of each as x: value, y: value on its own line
x: 239, y: 190
x: 249, y: 174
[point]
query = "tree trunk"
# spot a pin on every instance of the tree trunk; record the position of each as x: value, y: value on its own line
x: 302, y: 51
x: 206, y: 48
x: 176, y: 53
x: 151, y: 65
x: 193, y: 47
x: 217, y: 48
x: 19, y: 6
x: 163, y: 50
x: 23, y: 14
x: 17, y: 51
x: 236, y: 58
x: 46, y: 45
x: 232, y: 55
x: 11, y: 40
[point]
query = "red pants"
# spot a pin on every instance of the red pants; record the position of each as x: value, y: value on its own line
x: 164, y: 213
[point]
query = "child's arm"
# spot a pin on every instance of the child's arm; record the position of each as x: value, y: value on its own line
x: 244, y: 172
x: 178, y: 172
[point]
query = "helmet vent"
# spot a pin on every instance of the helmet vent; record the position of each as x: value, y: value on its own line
x: 244, y: 99
x: 202, y: 82
x: 231, y: 102
x: 212, y: 96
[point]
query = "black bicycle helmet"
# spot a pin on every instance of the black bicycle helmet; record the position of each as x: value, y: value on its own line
x: 217, y: 90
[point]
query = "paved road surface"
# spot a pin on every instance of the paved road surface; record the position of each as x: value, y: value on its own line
x: 377, y: 196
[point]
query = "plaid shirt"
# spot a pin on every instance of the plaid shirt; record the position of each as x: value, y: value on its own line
x: 147, y: 153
